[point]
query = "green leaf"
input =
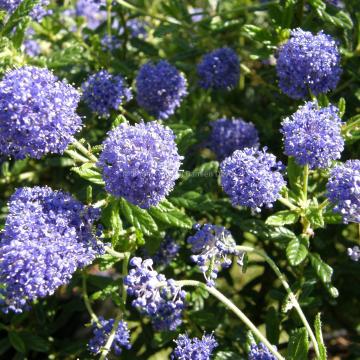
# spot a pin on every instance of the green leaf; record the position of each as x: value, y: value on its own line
x: 4, y: 345
x: 17, y: 342
x: 296, y: 252
x: 115, y: 221
x: 342, y: 107
x: 35, y: 342
x: 332, y: 218
x: 118, y: 120
x: 319, y: 338
x: 294, y: 172
x: 227, y: 355
x: 168, y: 214
x: 138, y: 217
x: 298, y: 345
x: 143, y: 46
x: 257, y: 33
x: 284, y: 217
x: 272, y: 323
x: 315, y: 216
x: 322, y: 270
x: 189, y: 200
x: 89, y: 172
x: 18, y: 16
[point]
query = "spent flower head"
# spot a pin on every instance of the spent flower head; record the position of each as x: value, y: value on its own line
x: 155, y: 296
x: 213, y: 246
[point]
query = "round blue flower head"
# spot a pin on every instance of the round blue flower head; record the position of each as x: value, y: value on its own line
x: 252, y: 178
x: 160, y: 299
x: 37, y: 113
x: 167, y: 252
x: 212, y: 246
x: 260, y: 352
x: 343, y: 190
x: 101, y: 333
x: 160, y: 88
x: 37, y: 13
x: 219, y: 69
x: 308, y: 62
x: 228, y: 135
x: 354, y: 253
x: 140, y: 163
x: 103, y: 92
x: 312, y: 135
x: 190, y: 349
x: 47, y: 236
x: 91, y: 11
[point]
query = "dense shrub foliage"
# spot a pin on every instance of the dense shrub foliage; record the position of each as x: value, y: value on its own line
x: 179, y: 179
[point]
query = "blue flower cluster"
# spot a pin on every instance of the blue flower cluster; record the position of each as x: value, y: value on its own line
x: 160, y: 88
x: 212, y: 246
x: 47, y: 236
x: 308, y: 62
x: 354, y: 253
x: 260, y: 352
x: 167, y: 251
x: 110, y: 43
x: 103, y: 92
x: 37, y: 113
x: 219, y: 69
x: 91, y: 11
x: 228, y: 135
x: 140, y: 163
x: 252, y: 178
x: 37, y: 13
x: 312, y: 135
x: 31, y: 47
x: 343, y: 190
x: 137, y: 28
x: 101, y: 333
x: 191, y: 349
x: 161, y: 299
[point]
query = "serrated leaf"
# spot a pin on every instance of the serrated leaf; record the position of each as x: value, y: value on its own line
x: 188, y: 200
x: 168, y: 214
x: 298, y: 345
x: 284, y: 217
x: 322, y: 270
x: 89, y: 172
x: 315, y: 216
x: 17, y: 342
x: 319, y: 338
x: 138, y: 217
x: 296, y: 252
